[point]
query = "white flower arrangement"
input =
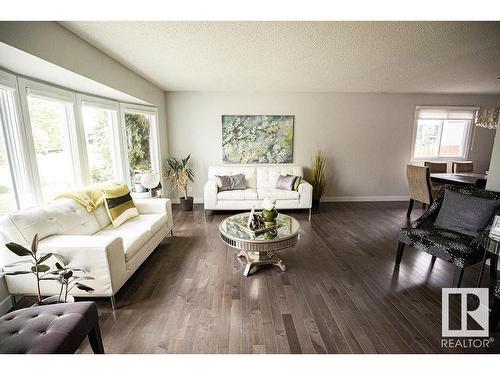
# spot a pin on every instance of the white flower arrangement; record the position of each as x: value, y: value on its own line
x: 269, y: 204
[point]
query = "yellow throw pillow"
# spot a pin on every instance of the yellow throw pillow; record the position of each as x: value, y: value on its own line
x: 119, y: 204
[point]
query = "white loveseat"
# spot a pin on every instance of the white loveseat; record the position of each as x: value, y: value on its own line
x: 88, y: 240
x: 260, y: 181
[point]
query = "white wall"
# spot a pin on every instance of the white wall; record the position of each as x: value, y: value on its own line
x: 367, y: 136
x: 494, y: 173
x: 54, y: 43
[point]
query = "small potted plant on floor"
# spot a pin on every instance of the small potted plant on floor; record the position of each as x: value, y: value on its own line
x: 318, y: 176
x: 67, y: 277
x: 180, y: 174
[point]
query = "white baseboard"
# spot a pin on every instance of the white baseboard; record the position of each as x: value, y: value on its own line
x: 6, y: 305
x: 368, y: 198
x: 361, y: 198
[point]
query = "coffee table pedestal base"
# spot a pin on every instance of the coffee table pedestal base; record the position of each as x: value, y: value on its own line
x: 255, y: 259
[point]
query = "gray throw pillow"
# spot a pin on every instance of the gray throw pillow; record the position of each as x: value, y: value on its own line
x: 465, y: 214
x: 285, y: 182
x: 236, y: 182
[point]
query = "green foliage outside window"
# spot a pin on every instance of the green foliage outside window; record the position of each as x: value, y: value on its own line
x: 138, y: 142
x: 103, y: 171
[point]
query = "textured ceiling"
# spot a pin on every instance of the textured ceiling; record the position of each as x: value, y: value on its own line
x: 409, y: 57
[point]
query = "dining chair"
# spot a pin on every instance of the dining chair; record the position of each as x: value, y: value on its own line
x: 442, y: 233
x: 437, y: 167
x: 462, y: 167
x: 419, y: 182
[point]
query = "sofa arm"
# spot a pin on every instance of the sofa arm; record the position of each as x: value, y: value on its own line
x: 305, y: 194
x: 101, y: 256
x: 210, y: 194
x: 155, y: 206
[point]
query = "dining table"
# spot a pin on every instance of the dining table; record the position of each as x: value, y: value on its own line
x: 463, y: 179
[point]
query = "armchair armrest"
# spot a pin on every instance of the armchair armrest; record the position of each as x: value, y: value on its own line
x: 430, y: 215
x: 210, y: 194
x: 155, y: 206
x: 305, y: 193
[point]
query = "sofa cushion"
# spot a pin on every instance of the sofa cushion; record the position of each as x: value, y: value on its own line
x: 155, y: 221
x: 134, y: 233
x: 464, y: 213
x: 63, y: 216
x: 268, y: 175
x: 249, y: 172
x: 277, y: 194
x: 285, y: 182
x: 119, y: 204
x: 234, y: 182
x: 102, y: 217
x: 237, y: 195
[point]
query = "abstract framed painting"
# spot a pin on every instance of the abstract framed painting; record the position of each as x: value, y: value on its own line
x: 259, y: 139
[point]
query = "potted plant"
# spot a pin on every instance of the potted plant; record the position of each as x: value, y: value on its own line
x: 318, y: 175
x: 42, y: 271
x: 68, y: 278
x: 180, y: 173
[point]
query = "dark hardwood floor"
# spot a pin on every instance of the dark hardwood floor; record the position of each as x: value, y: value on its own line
x: 340, y: 294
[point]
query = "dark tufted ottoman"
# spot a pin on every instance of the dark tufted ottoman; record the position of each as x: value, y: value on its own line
x: 58, y: 328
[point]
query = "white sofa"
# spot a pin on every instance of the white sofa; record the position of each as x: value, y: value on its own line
x: 260, y: 183
x: 88, y: 240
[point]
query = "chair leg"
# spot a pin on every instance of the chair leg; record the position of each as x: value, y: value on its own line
x: 410, y: 207
x: 399, y: 255
x: 113, y: 303
x: 95, y: 340
x: 493, y: 266
x: 458, y: 276
x: 495, y: 315
x: 310, y: 212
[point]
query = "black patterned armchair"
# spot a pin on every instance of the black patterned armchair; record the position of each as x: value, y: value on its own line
x: 495, y: 310
x: 456, y: 248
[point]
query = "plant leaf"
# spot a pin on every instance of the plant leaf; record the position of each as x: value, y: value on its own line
x: 58, y: 266
x: 44, y: 258
x: 18, y: 273
x: 18, y: 263
x: 41, y: 268
x: 18, y: 249
x: 59, y: 257
x: 50, y: 278
x: 68, y: 274
x: 84, y: 287
x: 34, y: 244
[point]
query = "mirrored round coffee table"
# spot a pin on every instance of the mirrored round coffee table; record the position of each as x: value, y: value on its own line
x: 259, y: 249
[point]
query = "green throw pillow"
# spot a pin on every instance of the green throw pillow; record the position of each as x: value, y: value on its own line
x: 119, y: 204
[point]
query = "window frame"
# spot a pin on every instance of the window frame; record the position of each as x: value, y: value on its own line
x: 154, y: 140
x: 467, y: 146
x: 16, y: 147
x: 29, y: 87
x: 20, y: 144
x: 96, y: 102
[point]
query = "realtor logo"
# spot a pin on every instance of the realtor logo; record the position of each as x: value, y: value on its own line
x: 473, y: 316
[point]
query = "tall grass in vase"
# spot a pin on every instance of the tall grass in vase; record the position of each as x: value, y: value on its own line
x: 318, y: 175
